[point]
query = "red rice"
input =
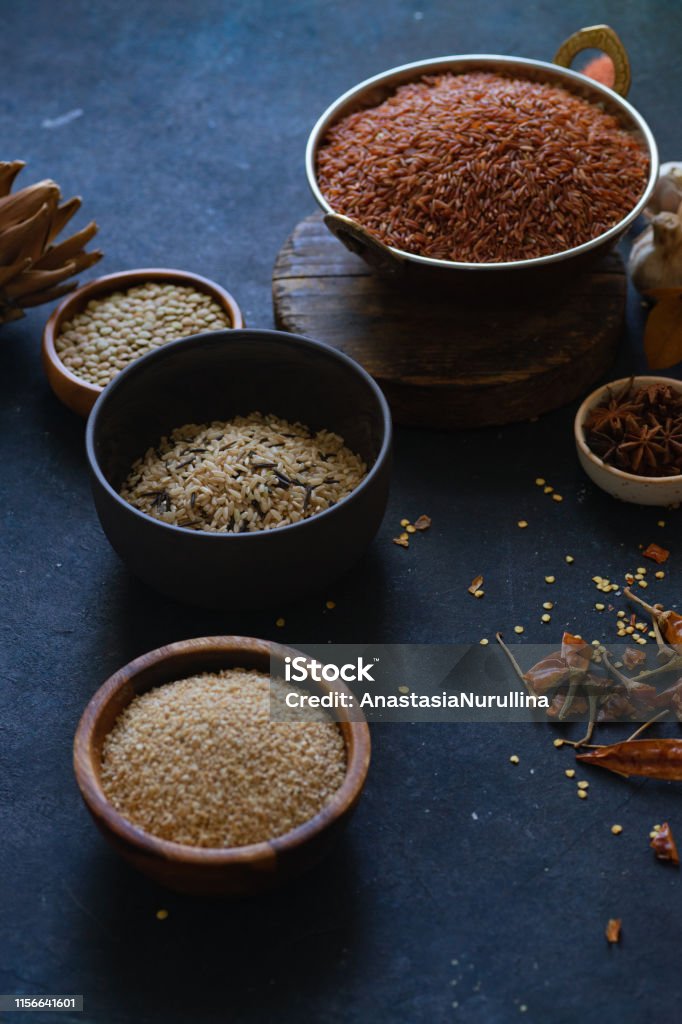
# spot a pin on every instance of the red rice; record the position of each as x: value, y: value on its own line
x: 482, y: 168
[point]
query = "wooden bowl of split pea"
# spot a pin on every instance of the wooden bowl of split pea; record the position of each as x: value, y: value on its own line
x: 106, y: 324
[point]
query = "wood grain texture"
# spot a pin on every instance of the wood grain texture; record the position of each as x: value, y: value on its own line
x: 444, y: 361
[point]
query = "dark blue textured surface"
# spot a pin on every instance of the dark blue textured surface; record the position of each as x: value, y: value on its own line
x: 467, y: 890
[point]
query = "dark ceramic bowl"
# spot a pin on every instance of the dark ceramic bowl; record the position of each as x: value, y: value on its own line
x: 217, y: 376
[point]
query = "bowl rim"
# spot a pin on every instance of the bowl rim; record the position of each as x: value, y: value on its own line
x: 435, y: 63
x: 123, y: 279
x: 592, y: 399
x: 100, y: 806
x: 225, y: 337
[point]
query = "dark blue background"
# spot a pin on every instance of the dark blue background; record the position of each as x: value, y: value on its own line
x: 466, y: 890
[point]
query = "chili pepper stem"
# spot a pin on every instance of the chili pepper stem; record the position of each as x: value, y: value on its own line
x: 656, y: 718
x: 653, y: 612
x: 585, y: 746
x: 663, y: 650
x: 616, y: 673
x: 568, y: 699
x: 515, y: 665
x: 593, y: 703
x: 674, y: 665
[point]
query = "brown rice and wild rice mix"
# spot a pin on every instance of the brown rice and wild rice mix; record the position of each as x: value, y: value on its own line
x: 482, y: 168
x: 218, y: 760
x: 250, y: 473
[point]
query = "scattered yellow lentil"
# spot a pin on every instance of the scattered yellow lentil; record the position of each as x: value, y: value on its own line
x: 621, y: 615
x: 557, y: 497
x: 522, y: 524
x: 583, y: 784
x: 550, y: 579
x: 546, y: 618
x: 582, y: 794
x: 404, y: 689
x: 570, y: 772
x: 484, y: 641
x: 548, y: 605
x: 643, y: 584
x: 548, y: 489
x: 599, y: 607
x: 161, y: 915
x: 330, y: 605
x: 616, y: 829
x: 405, y: 522
x: 281, y: 622
x: 641, y: 570
x: 540, y: 482
x: 660, y: 575
x: 514, y: 759
x: 518, y: 629
x: 661, y: 522
x: 479, y: 593
x: 558, y: 742
x: 570, y: 559
x: 411, y: 528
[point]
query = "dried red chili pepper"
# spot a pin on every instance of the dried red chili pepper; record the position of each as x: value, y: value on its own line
x: 670, y: 622
x: 654, y: 759
x: 663, y: 844
x: 640, y: 692
x: 556, y: 706
x: 612, y: 930
x: 575, y: 652
x: 671, y: 698
x: 549, y: 673
x: 633, y: 657
x: 616, y: 707
x: 656, y: 553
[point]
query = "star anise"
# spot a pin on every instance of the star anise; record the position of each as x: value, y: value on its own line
x: 643, y: 447
x: 671, y: 438
x: 612, y: 416
x: 639, y: 430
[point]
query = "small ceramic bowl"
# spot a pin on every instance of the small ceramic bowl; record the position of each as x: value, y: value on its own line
x: 215, y: 377
x: 639, y: 490
x: 77, y: 394
x: 235, y: 871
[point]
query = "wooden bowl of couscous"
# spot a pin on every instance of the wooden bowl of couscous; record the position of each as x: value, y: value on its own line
x: 106, y: 324
x: 192, y: 742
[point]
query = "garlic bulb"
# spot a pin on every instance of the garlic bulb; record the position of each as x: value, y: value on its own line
x: 667, y: 194
x: 656, y: 255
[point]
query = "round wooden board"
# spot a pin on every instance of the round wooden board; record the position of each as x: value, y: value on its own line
x: 443, y: 364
